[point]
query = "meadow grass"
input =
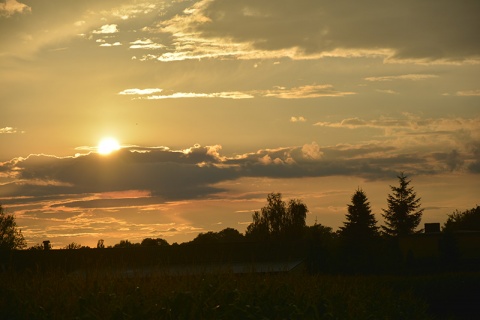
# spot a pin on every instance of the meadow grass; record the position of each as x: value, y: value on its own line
x: 115, y: 295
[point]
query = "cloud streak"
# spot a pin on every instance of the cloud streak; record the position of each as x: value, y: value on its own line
x: 412, y: 77
x: 302, y: 92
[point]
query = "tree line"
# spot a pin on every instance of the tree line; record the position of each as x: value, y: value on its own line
x: 281, y: 220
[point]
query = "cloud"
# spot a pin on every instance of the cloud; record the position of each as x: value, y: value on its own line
x: 354, y: 123
x: 145, y: 176
x: 304, y: 28
x: 8, y: 130
x: 454, y: 160
x: 106, y: 29
x: 179, y: 95
x: 145, y: 44
x: 298, y: 119
x: 412, y: 77
x: 388, y: 91
x: 303, y: 92
x: 11, y: 7
x: 410, y: 123
x: 308, y: 91
x: 149, y: 94
x: 136, y: 91
x: 468, y: 93
x: 312, y: 151
x: 115, y: 44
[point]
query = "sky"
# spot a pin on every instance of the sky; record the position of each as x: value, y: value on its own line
x: 216, y: 103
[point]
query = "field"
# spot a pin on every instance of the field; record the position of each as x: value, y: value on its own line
x: 107, y: 294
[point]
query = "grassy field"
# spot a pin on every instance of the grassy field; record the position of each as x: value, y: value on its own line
x: 115, y: 295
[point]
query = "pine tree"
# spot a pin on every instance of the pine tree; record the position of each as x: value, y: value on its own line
x: 361, y: 223
x: 403, y: 214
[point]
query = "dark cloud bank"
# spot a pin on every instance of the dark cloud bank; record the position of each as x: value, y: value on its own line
x: 169, y: 175
x: 430, y: 30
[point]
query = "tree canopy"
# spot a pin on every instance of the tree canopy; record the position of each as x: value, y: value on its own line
x: 151, y: 242
x: 404, y: 213
x: 11, y: 236
x: 468, y: 220
x: 278, y: 220
x: 227, y: 235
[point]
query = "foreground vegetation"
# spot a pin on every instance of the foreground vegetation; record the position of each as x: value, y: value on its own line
x: 116, y: 295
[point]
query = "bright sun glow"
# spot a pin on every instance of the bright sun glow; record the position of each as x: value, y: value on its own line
x: 108, y: 145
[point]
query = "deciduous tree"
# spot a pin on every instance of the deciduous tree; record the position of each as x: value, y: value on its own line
x: 150, y: 242
x: 466, y: 220
x: 277, y: 220
x: 11, y: 237
x: 73, y: 245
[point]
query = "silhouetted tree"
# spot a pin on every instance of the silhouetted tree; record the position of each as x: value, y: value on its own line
x: 295, y: 216
x: 226, y: 235
x: 158, y: 242
x: 361, y: 224
x: 125, y: 244
x: 230, y: 235
x: 47, y: 245
x: 73, y: 245
x: 100, y: 244
x: 258, y: 229
x: 468, y: 220
x: 403, y: 214
x: 206, y: 238
x: 11, y: 238
x: 277, y: 220
x: 359, y: 236
x: 321, y: 241
x: 38, y: 246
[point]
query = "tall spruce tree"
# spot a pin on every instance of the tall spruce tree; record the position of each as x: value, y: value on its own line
x: 403, y: 214
x: 361, y: 223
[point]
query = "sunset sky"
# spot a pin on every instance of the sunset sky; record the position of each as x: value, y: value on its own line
x: 216, y: 103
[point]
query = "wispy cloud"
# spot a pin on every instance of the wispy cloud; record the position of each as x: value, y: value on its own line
x: 468, y: 93
x: 135, y: 91
x: 303, y: 92
x: 309, y: 91
x: 411, y: 77
x: 388, y: 91
x: 145, y: 44
x: 180, y: 95
x: 410, y: 122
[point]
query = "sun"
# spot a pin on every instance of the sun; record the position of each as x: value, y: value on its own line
x: 107, y: 146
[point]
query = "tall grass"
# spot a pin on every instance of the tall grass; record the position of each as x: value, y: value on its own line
x: 114, y: 295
